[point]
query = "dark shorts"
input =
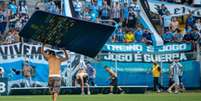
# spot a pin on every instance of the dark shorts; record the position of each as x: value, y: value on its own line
x: 54, y: 84
x: 114, y: 82
x: 86, y: 80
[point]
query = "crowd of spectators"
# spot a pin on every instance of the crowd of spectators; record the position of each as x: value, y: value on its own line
x: 173, y: 30
x: 52, y: 6
x: 13, y: 16
x: 15, y: 13
x: 126, y: 16
x: 129, y: 27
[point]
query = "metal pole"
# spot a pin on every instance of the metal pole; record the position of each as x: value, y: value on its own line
x: 199, y: 58
x: 161, y: 66
x: 71, y: 76
x: 198, y: 51
x: 116, y: 68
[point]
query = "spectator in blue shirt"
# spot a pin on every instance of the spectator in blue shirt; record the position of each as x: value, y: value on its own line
x: 147, y: 37
x: 3, y: 22
x: 188, y: 29
x: 116, y: 12
x: 94, y: 16
x: 4, y: 17
x: 166, y: 21
x: 125, y: 14
x: 105, y: 11
x: 168, y: 36
x: 178, y: 36
x: 94, y: 11
x: 87, y: 3
x: 187, y: 37
x: 120, y: 35
x: 51, y: 7
x: 138, y: 35
x: 190, y: 20
x: 13, y: 7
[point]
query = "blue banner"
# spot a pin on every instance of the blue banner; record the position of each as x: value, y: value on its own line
x: 133, y: 68
x: 140, y: 73
x: 143, y: 48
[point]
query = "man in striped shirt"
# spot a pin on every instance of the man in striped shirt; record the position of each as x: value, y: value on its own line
x: 175, y: 72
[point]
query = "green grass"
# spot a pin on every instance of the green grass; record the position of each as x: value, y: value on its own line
x: 122, y: 97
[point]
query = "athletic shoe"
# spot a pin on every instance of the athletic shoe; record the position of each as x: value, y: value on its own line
x: 82, y: 93
x: 176, y: 92
x: 89, y: 93
x: 169, y: 91
x: 122, y: 92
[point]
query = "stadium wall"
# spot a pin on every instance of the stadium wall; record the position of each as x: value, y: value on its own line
x: 132, y: 62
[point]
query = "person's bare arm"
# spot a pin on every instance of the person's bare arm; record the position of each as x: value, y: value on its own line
x: 43, y: 52
x: 66, y: 56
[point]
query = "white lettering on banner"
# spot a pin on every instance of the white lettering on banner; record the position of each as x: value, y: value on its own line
x: 124, y: 48
x: 17, y: 51
x: 144, y: 58
x: 179, y: 47
x: 144, y: 48
x: 175, y: 9
x: 2, y: 87
x: 164, y: 57
x: 119, y: 57
x: 138, y: 57
x: 150, y: 49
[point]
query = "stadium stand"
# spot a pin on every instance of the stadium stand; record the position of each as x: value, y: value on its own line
x: 184, y: 32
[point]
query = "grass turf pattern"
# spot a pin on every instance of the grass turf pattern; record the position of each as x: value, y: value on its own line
x: 122, y: 97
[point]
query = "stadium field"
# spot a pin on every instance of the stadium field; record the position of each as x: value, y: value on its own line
x: 122, y: 97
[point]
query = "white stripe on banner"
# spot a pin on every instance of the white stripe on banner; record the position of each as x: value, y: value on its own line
x: 67, y: 8
x: 157, y: 40
x: 174, y: 9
